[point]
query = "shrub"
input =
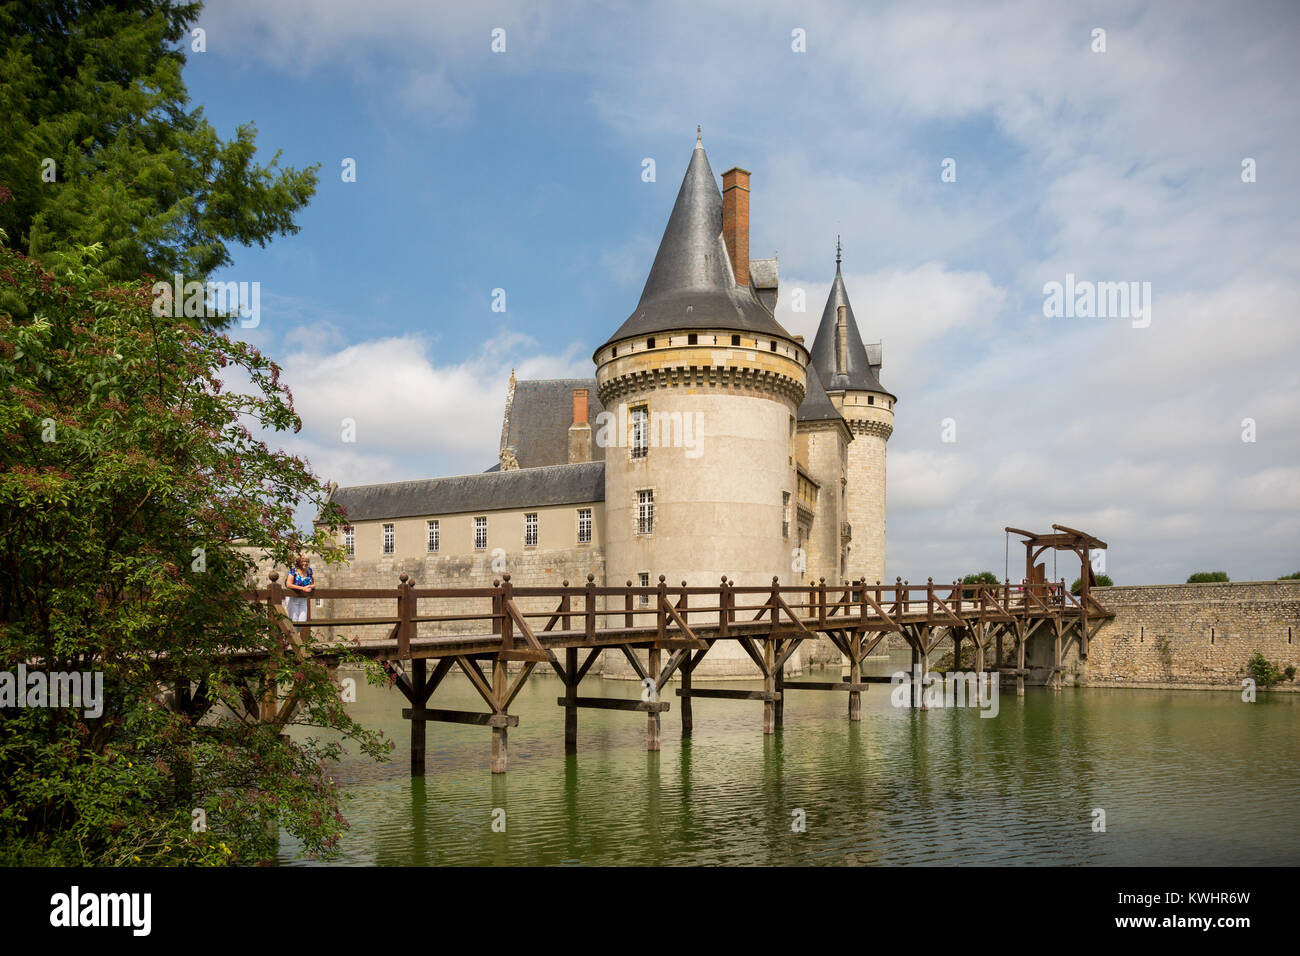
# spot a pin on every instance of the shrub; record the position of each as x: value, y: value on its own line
x: 1208, y: 577
x: 1266, y: 673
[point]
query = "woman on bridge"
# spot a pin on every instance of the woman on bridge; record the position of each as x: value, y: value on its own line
x: 300, y: 582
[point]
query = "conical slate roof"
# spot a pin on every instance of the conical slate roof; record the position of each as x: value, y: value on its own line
x: 857, y: 375
x: 817, y: 405
x: 691, y: 284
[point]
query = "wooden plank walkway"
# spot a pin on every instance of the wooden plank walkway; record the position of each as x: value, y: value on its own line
x: 769, y: 623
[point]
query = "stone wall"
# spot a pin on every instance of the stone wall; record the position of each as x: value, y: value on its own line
x: 1193, y: 634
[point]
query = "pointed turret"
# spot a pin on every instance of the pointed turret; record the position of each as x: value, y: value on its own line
x: 838, y: 354
x: 692, y: 284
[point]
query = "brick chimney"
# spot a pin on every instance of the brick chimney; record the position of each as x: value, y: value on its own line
x: 735, y: 220
x: 580, y: 430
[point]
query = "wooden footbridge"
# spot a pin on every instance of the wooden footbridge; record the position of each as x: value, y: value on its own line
x: 675, y: 628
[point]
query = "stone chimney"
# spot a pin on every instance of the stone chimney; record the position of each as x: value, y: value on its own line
x: 580, y: 430
x: 735, y: 221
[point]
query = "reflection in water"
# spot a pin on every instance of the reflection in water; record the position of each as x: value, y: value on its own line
x: 1185, y: 777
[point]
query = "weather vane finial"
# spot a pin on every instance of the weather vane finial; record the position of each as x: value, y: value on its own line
x: 837, y: 253
x: 699, y: 141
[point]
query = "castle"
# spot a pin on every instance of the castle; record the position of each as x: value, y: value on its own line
x: 710, y: 443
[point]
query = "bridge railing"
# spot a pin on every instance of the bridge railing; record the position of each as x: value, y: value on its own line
x: 667, y: 612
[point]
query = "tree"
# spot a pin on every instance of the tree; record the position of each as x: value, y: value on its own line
x: 1103, y: 581
x: 131, y: 494
x: 101, y: 145
x: 1290, y: 577
x: 1208, y: 577
x: 983, y: 577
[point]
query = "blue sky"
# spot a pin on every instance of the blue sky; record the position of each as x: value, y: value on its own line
x: 522, y: 171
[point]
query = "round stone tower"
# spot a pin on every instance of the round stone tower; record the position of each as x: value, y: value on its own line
x: 703, y: 388
x: 850, y: 374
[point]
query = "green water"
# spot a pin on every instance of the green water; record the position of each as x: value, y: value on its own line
x: 1184, y: 777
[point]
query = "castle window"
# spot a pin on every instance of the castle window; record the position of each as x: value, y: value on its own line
x: 774, y: 345
x: 735, y: 340
x: 350, y: 540
x: 530, y: 530
x: 645, y: 583
x: 388, y: 539
x: 584, y: 526
x: 645, y: 512
x: 649, y: 343
x: 613, y: 353
x: 871, y: 399
x: 640, y: 437
x: 480, y: 533
x: 692, y: 339
x: 785, y: 515
x: 433, y: 536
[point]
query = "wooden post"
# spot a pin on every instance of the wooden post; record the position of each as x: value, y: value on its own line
x: 778, y: 685
x: 956, y: 648
x: 855, y: 674
x: 652, y: 718
x: 590, y: 607
x: 499, y: 747
x: 723, y: 617
x: 419, y: 692
x: 570, y: 700
x: 1020, y: 658
x: 687, y: 668
x: 981, y: 630
x: 1056, y: 654
x: 923, y: 632
x: 769, y: 685
x: 915, y: 677
x: 627, y: 605
x: 404, y: 614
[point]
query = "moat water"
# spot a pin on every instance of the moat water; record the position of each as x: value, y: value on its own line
x: 1184, y: 777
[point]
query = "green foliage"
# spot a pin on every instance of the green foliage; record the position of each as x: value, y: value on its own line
x: 983, y: 577
x: 1208, y: 577
x: 1103, y: 581
x: 1290, y: 577
x: 123, y: 449
x: 96, y: 87
x: 1265, y: 673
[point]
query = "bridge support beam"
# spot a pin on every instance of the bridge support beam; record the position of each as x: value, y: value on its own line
x: 652, y: 718
x: 418, y: 696
x: 499, y: 741
x: 1020, y: 658
x: 855, y: 675
x: 769, y: 686
x: 570, y: 700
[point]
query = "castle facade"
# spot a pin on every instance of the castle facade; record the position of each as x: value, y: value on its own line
x: 709, y: 443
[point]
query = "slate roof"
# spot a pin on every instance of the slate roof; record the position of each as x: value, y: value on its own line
x: 487, y: 491
x: 817, y: 405
x: 691, y: 284
x: 859, y: 373
x: 540, y: 418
